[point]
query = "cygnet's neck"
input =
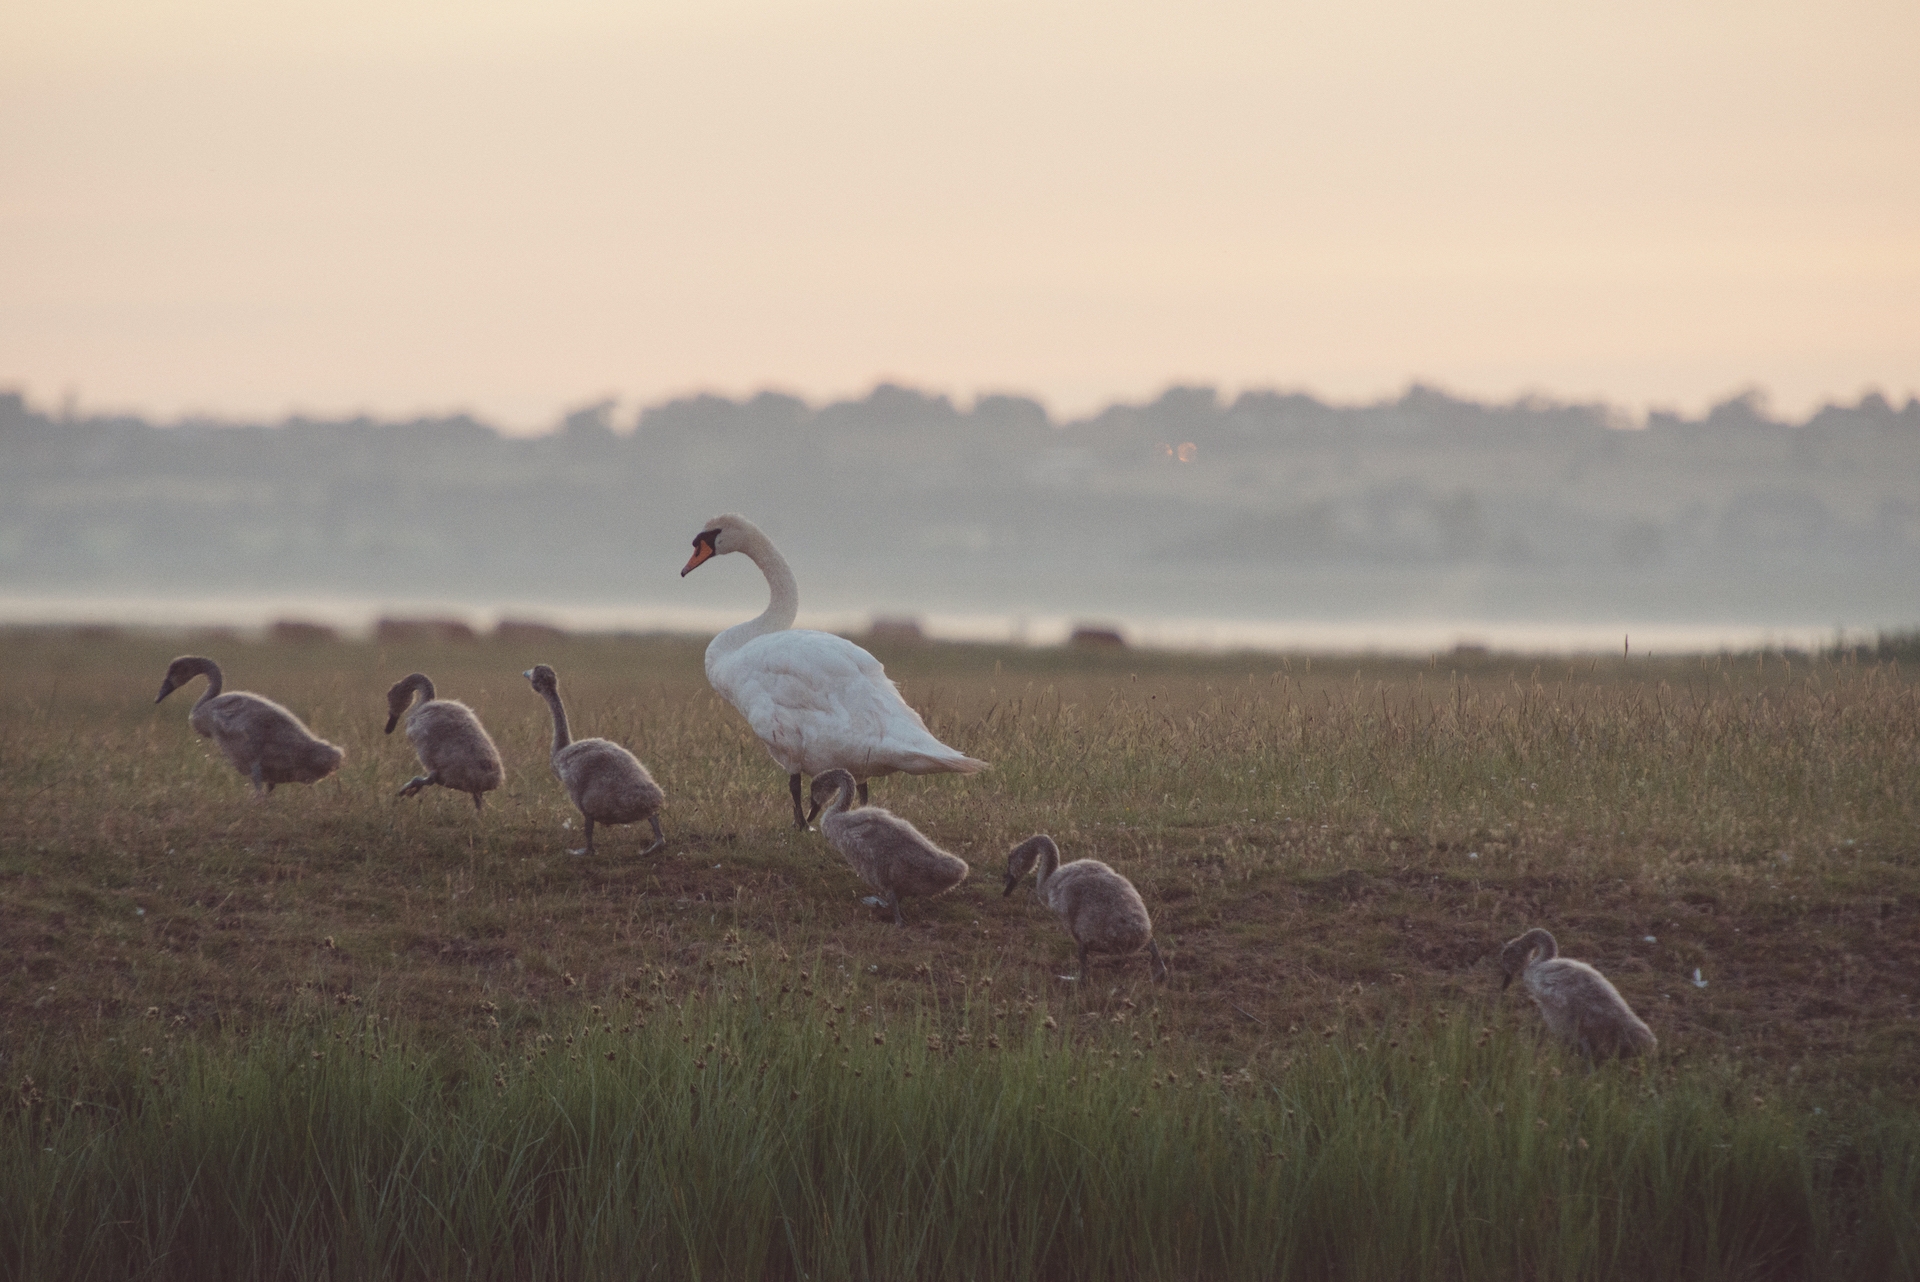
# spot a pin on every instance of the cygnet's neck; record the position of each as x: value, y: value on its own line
x: 842, y: 800
x: 214, y: 681
x: 1049, y: 864
x: 561, y: 737
x: 783, y: 604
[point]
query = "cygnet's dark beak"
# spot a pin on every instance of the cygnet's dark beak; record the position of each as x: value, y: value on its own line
x: 1506, y: 977
x: 166, y: 688
x: 814, y: 813
x: 393, y: 719
x: 1012, y: 881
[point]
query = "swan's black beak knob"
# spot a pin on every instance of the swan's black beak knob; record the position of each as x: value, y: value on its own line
x: 703, y: 551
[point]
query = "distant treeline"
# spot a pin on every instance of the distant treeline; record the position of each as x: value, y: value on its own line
x: 1270, y: 505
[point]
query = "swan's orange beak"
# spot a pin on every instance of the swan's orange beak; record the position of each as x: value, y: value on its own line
x: 702, y: 551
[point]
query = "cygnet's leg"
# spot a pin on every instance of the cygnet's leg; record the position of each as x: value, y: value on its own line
x: 1074, y: 979
x: 588, y: 848
x: 659, y: 837
x: 894, y: 897
x: 799, y: 816
x: 860, y: 790
x: 1159, y: 969
x: 260, y: 785
x: 479, y: 801
x: 418, y: 782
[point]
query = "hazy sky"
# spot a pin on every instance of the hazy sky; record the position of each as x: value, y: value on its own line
x: 247, y: 207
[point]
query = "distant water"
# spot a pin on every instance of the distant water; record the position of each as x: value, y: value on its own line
x: 356, y: 615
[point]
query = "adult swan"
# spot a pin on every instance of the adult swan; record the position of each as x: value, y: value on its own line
x: 819, y: 702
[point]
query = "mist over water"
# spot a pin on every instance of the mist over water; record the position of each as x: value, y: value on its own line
x: 1273, y: 521
x: 360, y: 616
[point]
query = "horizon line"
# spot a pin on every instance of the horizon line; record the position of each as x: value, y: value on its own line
x: 1752, y: 400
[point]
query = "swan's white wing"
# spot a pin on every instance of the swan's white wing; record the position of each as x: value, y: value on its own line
x: 819, y: 701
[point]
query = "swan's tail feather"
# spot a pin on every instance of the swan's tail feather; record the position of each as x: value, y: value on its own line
x: 958, y: 763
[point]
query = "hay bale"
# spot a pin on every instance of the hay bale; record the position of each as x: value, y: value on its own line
x: 1096, y: 637
x: 300, y: 632
x: 526, y: 631
x: 422, y: 631
x: 895, y: 631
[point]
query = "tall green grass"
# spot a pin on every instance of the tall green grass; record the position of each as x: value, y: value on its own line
x: 775, y: 1126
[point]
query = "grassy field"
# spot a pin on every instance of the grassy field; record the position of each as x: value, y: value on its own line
x: 1332, y: 850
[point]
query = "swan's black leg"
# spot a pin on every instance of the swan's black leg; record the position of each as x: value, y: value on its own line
x: 479, y: 801
x: 799, y: 816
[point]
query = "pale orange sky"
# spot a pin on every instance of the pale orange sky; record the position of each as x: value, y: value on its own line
x: 250, y: 208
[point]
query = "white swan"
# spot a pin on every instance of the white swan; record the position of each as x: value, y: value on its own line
x: 819, y: 702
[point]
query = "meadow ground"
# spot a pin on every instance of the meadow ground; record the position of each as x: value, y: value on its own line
x: 1332, y: 850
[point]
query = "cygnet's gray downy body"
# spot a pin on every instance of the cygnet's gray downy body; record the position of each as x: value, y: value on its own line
x: 1100, y: 908
x: 817, y: 701
x: 448, y: 738
x: 888, y: 853
x: 607, y: 783
x: 264, y: 741
x: 1577, y: 1002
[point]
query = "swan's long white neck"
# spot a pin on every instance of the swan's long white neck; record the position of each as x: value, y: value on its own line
x: 782, y: 607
